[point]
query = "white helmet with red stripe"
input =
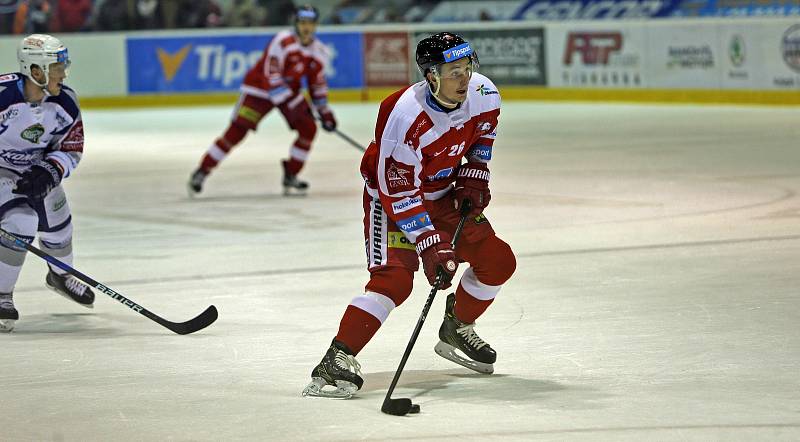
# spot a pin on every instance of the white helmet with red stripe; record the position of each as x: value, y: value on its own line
x: 41, y: 50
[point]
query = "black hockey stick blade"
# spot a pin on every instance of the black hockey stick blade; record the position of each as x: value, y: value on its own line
x: 399, y: 407
x: 199, y: 322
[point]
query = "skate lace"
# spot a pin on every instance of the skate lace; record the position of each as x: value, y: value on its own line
x: 348, y: 362
x: 472, y: 338
x: 75, y: 286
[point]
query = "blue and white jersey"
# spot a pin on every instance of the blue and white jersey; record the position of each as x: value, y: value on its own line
x: 32, y: 132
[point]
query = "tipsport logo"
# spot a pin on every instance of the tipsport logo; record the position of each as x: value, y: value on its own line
x: 457, y: 52
x: 415, y: 223
x: 214, y: 62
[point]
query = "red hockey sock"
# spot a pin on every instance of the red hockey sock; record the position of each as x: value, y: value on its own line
x: 222, y: 146
x: 468, y: 308
x: 357, y: 328
x: 293, y: 166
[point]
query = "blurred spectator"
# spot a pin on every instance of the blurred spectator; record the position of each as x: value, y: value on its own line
x: 199, y: 14
x: 485, y: 16
x: 147, y: 16
x: 113, y: 16
x: 72, y: 15
x: 33, y: 16
x: 279, y: 12
x: 246, y: 13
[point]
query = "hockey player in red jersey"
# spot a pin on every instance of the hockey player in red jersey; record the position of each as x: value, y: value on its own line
x: 433, y: 142
x: 275, y: 81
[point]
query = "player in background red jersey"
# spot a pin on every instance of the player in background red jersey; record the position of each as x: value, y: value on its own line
x: 275, y: 81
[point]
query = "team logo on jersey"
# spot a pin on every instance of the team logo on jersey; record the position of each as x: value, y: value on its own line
x: 485, y: 90
x: 17, y: 157
x: 399, y: 176
x: 33, y: 133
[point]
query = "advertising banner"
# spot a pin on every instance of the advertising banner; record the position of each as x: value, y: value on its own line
x: 507, y: 56
x: 596, y: 55
x: 560, y: 10
x: 683, y: 56
x: 219, y: 63
x: 741, y: 58
x: 387, y: 60
x: 781, y: 44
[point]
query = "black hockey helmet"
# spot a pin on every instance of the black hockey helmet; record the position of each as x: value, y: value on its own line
x: 444, y: 47
x: 306, y: 12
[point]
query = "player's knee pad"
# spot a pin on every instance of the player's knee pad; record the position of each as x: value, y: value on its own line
x: 393, y: 282
x: 59, y: 242
x: 21, y: 222
x: 497, y: 262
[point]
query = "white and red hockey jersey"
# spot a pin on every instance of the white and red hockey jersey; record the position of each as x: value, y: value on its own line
x: 418, y: 147
x: 279, y: 72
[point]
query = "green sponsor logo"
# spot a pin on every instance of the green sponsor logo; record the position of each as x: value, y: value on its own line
x: 33, y: 133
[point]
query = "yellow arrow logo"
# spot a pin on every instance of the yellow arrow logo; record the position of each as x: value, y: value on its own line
x: 170, y: 63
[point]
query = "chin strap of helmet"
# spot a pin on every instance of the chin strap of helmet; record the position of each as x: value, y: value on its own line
x: 435, y: 92
x: 46, y: 79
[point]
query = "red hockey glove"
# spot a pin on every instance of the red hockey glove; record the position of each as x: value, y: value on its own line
x: 328, y: 120
x: 39, y: 180
x: 472, y: 183
x: 437, y: 253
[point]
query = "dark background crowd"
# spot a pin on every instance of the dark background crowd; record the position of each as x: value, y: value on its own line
x: 54, y: 16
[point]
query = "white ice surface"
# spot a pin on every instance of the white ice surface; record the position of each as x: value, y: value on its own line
x: 656, y: 296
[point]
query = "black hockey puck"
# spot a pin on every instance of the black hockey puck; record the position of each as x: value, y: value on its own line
x: 414, y: 409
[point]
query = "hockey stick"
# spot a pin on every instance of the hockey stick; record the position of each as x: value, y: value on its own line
x: 199, y: 322
x: 403, y: 406
x: 349, y: 140
x: 344, y: 136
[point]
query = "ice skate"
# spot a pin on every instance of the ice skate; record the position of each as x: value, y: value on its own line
x: 291, y: 185
x: 456, y: 335
x: 338, y: 370
x: 71, y: 288
x: 8, y: 314
x: 195, y: 184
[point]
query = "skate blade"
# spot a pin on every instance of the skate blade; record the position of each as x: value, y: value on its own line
x: 91, y: 306
x: 448, y: 352
x: 7, y: 325
x: 291, y: 192
x: 342, y: 389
